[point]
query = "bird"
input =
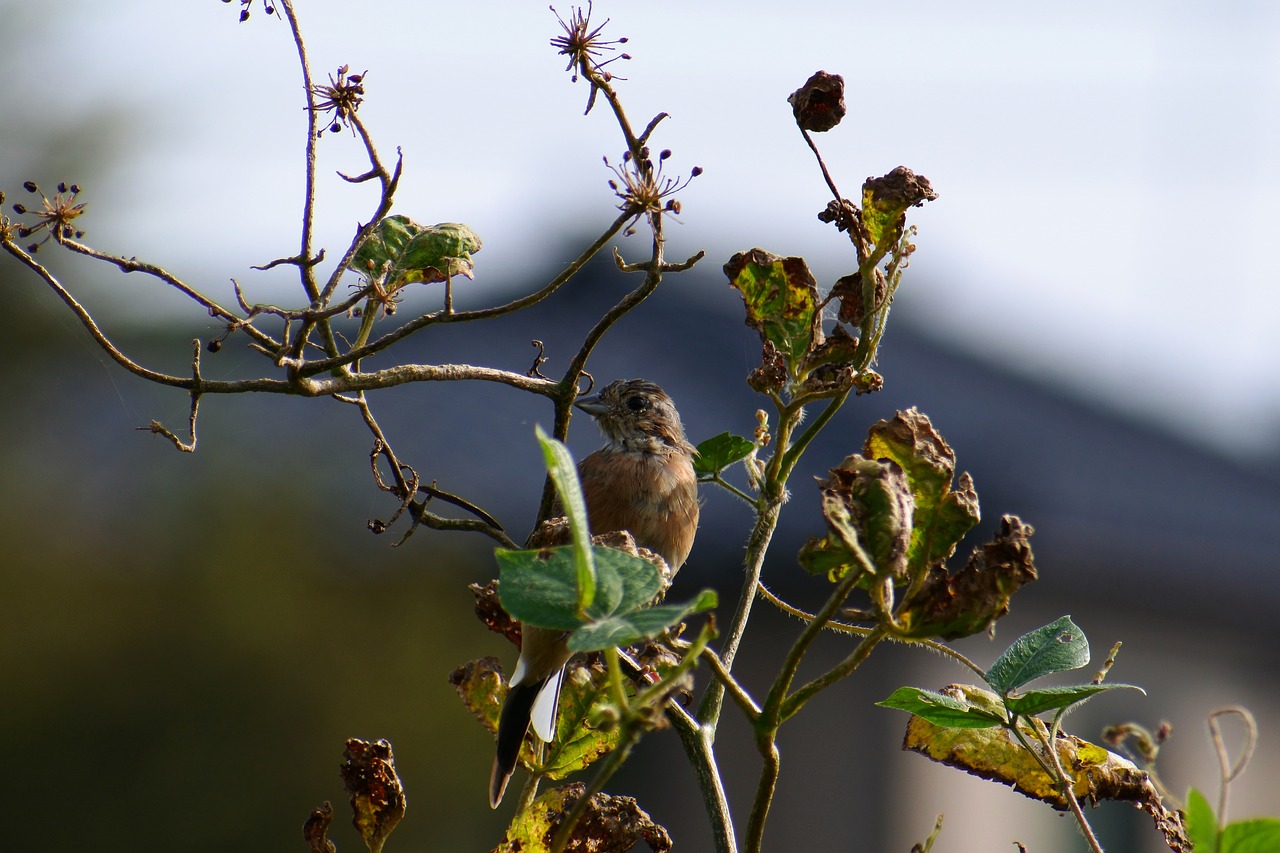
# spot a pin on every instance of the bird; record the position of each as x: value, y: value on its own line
x: 642, y: 481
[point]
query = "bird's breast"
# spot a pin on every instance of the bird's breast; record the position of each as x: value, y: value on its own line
x: 653, y: 496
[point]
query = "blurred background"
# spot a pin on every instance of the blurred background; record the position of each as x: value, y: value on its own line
x: 187, y: 640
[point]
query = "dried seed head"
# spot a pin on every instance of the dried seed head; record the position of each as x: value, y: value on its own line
x: 818, y: 105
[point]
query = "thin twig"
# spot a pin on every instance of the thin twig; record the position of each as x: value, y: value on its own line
x: 160, y: 429
x: 862, y: 630
x: 88, y: 322
x: 1226, y: 769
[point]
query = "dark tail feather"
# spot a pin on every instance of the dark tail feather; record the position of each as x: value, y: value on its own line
x: 512, y: 726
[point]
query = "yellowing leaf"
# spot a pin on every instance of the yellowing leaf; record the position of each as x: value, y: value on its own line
x: 1095, y: 773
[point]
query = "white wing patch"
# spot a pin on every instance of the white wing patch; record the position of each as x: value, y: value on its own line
x: 545, y: 706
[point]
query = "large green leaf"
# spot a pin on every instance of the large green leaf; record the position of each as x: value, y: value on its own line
x: 951, y: 711
x: 1057, y: 647
x: 1202, y: 826
x: 564, y: 474
x: 1260, y: 835
x: 628, y: 628
x: 1038, y: 701
x: 540, y: 586
x: 406, y: 252
x: 719, y: 452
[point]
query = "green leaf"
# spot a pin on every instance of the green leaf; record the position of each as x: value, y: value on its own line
x: 942, y: 710
x: 781, y: 300
x: 440, y: 251
x: 384, y: 245
x: 1057, y: 647
x: 1261, y: 835
x: 629, y: 628
x: 1037, y: 701
x: 1202, y: 826
x: 942, y: 516
x: 826, y: 556
x: 405, y: 252
x: 578, y: 743
x: 540, y: 586
x: 719, y: 452
x: 564, y: 474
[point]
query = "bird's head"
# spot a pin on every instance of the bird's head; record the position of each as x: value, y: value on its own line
x: 636, y: 414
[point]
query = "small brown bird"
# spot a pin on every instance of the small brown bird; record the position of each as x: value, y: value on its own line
x: 642, y: 481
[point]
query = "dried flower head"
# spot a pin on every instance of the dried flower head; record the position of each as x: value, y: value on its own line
x: 584, y: 45
x: 54, y: 216
x: 818, y: 105
x: 342, y: 96
x: 642, y: 187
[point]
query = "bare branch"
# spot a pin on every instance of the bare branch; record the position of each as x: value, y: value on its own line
x: 323, y: 365
x: 158, y: 428
x: 389, y: 181
x: 296, y: 260
x: 653, y: 123
x: 403, y: 373
x: 87, y: 320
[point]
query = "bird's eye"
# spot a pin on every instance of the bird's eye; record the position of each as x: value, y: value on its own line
x: 637, y: 403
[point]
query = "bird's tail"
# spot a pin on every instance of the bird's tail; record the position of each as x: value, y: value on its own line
x: 512, y: 726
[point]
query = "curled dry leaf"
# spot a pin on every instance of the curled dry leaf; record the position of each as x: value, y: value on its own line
x: 885, y: 201
x: 482, y: 687
x: 489, y: 611
x: 610, y: 825
x: 377, y: 797
x: 847, y: 291
x: 971, y: 600
x: 315, y: 830
x: 867, y: 505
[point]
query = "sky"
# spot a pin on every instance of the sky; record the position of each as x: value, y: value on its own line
x: 1105, y: 171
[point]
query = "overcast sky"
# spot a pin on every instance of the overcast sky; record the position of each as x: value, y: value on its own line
x: 1106, y: 171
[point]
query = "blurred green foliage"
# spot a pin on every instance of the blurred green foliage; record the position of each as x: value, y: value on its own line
x: 187, y: 641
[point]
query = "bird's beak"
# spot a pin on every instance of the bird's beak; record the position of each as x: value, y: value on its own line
x: 591, y: 405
